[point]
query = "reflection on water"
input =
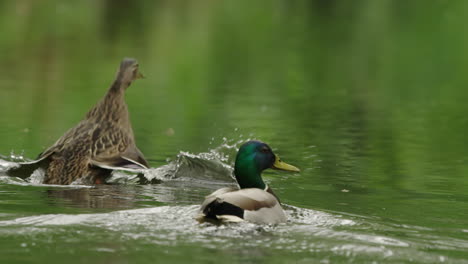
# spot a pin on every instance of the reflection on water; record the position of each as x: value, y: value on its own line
x: 100, y: 197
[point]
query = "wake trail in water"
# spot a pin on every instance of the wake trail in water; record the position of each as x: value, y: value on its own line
x: 306, y: 231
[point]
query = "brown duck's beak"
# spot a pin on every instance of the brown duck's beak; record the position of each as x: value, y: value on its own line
x: 280, y: 165
x: 139, y: 75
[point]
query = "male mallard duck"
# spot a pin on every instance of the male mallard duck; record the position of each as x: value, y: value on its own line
x: 254, y: 201
x: 100, y: 142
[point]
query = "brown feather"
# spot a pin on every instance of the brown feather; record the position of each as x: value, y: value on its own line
x: 105, y: 135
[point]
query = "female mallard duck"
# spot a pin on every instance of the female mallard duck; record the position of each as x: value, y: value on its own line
x: 254, y: 201
x: 102, y: 141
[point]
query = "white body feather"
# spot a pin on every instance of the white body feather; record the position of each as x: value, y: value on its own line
x: 259, y: 206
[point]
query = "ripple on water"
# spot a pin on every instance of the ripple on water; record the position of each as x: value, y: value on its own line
x: 307, y: 231
x: 170, y: 222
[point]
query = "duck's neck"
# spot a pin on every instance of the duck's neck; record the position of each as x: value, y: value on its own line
x: 248, y: 175
x: 112, y: 107
x: 120, y: 84
x: 116, y: 92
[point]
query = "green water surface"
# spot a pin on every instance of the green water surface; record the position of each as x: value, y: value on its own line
x: 367, y: 97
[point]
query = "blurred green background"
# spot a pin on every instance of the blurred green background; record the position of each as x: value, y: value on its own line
x: 355, y: 78
x: 367, y: 97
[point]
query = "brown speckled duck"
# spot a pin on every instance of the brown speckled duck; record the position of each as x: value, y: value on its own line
x: 102, y: 141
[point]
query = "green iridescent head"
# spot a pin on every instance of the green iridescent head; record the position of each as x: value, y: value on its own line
x: 254, y: 157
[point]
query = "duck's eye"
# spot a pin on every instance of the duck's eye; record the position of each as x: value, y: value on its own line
x: 265, y: 150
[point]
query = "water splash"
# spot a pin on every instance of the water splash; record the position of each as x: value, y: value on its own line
x: 215, y: 164
x: 17, y: 157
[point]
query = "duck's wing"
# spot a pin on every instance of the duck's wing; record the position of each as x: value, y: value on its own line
x: 134, y: 156
x: 125, y: 161
x: 210, y: 198
x: 110, y: 147
x: 122, y: 164
x: 24, y: 169
x: 109, y: 150
x: 210, y: 210
x: 112, y: 158
x: 252, y: 204
x: 81, y: 133
x: 39, y: 159
x: 251, y: 199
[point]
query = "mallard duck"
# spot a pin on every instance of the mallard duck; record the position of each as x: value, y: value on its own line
x: 253, y: 201
x: 102, y: 141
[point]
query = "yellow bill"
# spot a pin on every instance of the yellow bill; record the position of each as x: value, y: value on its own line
x: 280, y: 165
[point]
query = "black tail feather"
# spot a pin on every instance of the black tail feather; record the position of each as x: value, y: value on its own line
x: 219, y: 207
